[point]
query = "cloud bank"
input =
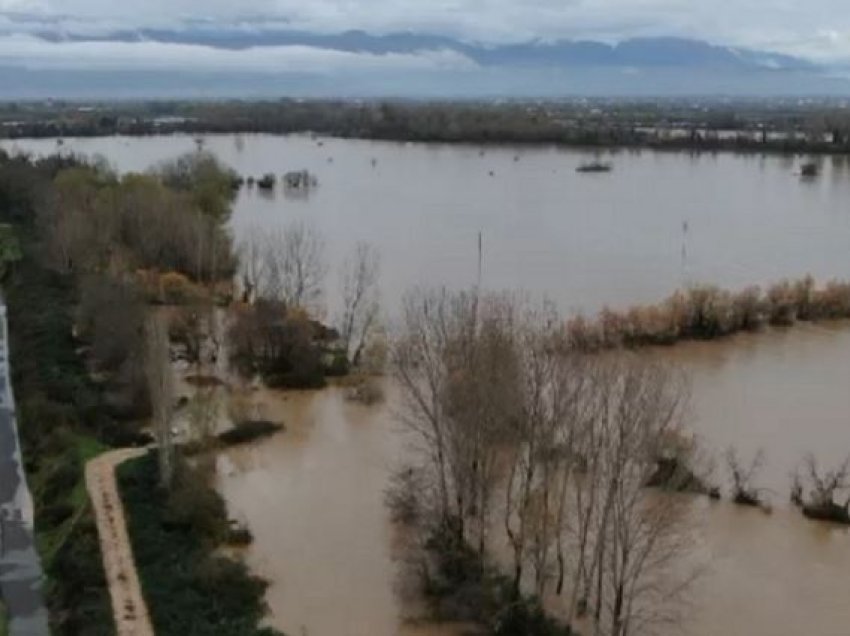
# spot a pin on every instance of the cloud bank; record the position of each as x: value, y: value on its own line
x: 35, y: 53
x: 818, y: 29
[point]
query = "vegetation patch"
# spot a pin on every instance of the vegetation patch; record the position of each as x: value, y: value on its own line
x: 190, y: 588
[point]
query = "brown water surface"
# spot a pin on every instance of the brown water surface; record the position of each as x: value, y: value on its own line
x: 313, y: 495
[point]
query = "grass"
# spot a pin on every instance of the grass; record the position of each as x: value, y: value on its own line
x: 191, y: 589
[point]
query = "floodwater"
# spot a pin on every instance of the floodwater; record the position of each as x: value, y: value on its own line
x: 657, y: 221
x: 313, y: 495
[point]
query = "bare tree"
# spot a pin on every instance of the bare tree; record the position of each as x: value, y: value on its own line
x: 743, y: 477
x: 643, y: 534
x: 824, y: 488
x: 359, y: 281
x: 288, y: 265
x: 252, y: 251
x: 161, y: 388
x: 527, y: 510
x: 299, y: 267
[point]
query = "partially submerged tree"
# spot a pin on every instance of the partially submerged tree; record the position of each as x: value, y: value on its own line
x: 824, y: 487
x: 498, y: 404
x: 743, y: 477
x: 287, y: 266
x: 359, y: 282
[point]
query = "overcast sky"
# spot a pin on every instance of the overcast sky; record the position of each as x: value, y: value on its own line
x: 816, y: 29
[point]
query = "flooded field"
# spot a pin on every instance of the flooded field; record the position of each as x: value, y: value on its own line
x: 313, y: 495
x: 655, y: 222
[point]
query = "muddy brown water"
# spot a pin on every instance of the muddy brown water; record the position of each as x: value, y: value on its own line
x: 313, y: 496
x: 583, y: 239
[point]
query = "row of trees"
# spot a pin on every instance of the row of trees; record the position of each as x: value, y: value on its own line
x: 706, y: 312
x: 527, y: 444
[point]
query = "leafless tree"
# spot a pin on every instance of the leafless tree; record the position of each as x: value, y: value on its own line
x: 824, y: 487
x: 743, y: 477
x: 161, y: 388
x: 528, y: 510
x: 642, y: 533
x: 287, y: 265
x: 359, y: 282
x: 252, y: 251
x: 298, y: 268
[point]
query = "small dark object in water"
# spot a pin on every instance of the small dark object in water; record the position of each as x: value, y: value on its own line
x: 744, y: 498
x: 248, y: 431
x: 828, y: 512
x: 492, y: 173
x: 267, y: 181
x: 595, y: 166
x: 809, y: 169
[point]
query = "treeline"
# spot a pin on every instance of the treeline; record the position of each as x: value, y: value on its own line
x: 606, y: 123
x: 708, y: 312
x: 526, y: 444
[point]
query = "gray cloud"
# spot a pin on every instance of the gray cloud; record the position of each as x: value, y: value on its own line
x: 819, y: 29
x: 35, y: 53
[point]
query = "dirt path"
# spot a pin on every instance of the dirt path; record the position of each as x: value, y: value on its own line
x: 128, y: 603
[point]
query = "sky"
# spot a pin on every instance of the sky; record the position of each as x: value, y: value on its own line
x: 818, y: 30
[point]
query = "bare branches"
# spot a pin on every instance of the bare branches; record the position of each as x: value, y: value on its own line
x: 823, y: 488
x: 743, y: 490
x: 288, y: 265
x: 359, y: 282
x: 501, y: 406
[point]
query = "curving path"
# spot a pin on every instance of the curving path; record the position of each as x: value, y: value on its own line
x: 128, y: 603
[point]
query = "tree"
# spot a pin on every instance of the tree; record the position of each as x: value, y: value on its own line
x: 743, y: 477
x: 642, y: 535
x: 823, y: 488
x: 359, y: 281
x: 287, y: 266
x: 299, y: 268
x: 161, y: 389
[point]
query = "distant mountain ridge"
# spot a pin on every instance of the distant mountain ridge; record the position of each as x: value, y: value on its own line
x: 670, y: 52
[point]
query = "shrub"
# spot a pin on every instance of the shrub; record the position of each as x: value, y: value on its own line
x: 189, y: 589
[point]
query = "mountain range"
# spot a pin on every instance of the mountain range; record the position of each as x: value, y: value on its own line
x: 397, y: 64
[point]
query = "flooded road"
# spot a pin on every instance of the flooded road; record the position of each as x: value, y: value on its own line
x: 313, y: 495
